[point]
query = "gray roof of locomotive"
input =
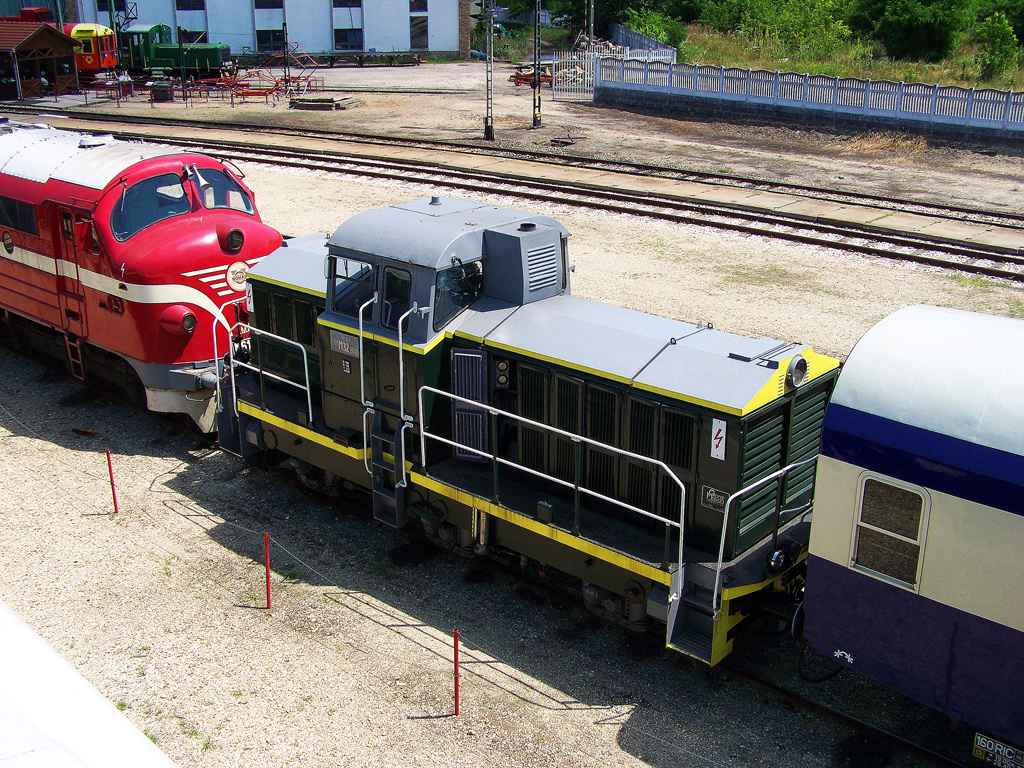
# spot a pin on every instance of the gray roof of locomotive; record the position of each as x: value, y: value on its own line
x: 297, y: 265
x: 428, y: 232
x: 653, y: 353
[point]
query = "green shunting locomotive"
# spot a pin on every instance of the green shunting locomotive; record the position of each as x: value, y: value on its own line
x: 430, y: 355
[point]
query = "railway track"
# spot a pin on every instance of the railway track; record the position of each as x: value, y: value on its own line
x: 955, y: 212
x: 994, y: 260
x: 850, y: 237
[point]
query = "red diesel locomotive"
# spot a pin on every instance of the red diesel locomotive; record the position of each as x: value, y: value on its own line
x: 125, y: 262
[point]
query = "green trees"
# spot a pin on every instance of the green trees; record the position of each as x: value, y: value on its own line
x: 927, y: 30
x: 998, y: 46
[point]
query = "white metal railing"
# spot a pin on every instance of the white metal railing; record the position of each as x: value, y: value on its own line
x: 265, y: 374
x: 572, y: 72
x: 951, y: 105
x: 778, y: 477
x: 576, y: 485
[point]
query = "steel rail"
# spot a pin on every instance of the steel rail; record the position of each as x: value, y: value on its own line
x: 957, y: 212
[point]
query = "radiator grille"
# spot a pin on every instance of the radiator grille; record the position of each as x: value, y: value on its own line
x: 804, y: 437
x: 677, y: 439
x: 762, y: 455
x: 542, y: 267
x: 532, y: 400
x: 640, y: 486
x: 602, y: 415
x: 642, y: 427
x: 469, y: 424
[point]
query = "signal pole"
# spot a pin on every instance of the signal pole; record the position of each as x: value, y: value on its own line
x: 536, y: 66
x: 489, y: 118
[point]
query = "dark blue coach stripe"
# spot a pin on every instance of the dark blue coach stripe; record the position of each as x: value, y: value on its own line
x: 946, y: 464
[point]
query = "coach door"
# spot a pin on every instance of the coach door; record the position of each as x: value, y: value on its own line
x: 70, y: 292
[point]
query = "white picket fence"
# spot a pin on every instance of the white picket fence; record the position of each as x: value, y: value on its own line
x: 970, y: 107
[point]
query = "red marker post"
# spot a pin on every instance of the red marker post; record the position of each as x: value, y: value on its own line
x: 113, y: 490
x: 266, y: 556
x: 456, y: 672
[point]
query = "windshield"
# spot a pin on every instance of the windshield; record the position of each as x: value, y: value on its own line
x: 148, y: 202
x: 456, y: 287
x: 218, y: 190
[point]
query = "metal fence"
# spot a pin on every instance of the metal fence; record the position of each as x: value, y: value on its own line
x: 573, y: 71
x: 946, y: 104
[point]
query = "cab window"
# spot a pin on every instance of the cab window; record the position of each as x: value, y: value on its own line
x: 355, y: 284
x: 148, y: 202
x: 218, y: 190
x: 456, y: 288
x: 397, y: 296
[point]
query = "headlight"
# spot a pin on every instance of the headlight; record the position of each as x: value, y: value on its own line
x: 178, y: 320
x: 796, y: 373
x: 233, y: 242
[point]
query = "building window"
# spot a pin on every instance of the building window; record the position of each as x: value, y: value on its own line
x: 104, y: 5
x: 268, y: 5
x: 418, y: 6
x: 348, y: 39
x: 889, y: 531
x: 197, y: 36
x: 348, y: 3
x: 269, y: 40
x: 190, y: 5
x: 418, y: 33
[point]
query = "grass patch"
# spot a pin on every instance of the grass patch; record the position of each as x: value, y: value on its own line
x: 122, y: 706
x: 769, y: 275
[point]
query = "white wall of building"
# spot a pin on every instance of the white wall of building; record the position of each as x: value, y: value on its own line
x: 311, y: 23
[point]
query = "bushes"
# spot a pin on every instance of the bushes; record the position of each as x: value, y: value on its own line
x: 998, y: 46
x: 928, y: 30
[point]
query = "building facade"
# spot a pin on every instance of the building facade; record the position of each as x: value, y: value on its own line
x: 317, y: 26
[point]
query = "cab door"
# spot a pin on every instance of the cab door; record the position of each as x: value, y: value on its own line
x: 70, y: 292
x: 386, y: 358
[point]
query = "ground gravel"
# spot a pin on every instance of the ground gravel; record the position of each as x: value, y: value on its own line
x: 163, y: 606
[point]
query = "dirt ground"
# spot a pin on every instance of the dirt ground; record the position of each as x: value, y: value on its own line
x: 160, y: 607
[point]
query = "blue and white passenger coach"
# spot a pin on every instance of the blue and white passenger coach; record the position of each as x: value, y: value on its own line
x: 916, y: 568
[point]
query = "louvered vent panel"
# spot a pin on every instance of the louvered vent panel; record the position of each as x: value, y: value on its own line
x: 671, y: 497
x: 762, y: 455
x: 678, y: 439
x: 470, y: 430
x: 601, y: 472
x: 805, y: 434
x: 602, y: 415
x: 469, y: 375
x: 542, y: 267
x: 642, y: 418
x: 640, y: 487
x: 532, y: 403
x: 531, y: 448
x: 469, y: 423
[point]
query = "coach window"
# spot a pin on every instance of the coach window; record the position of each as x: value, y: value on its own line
x: 397, y: 296
x: 355, y: 284
x: 17, y: 214
x: 148, y: 202
x: 219, y: 190
x: 890, y: 531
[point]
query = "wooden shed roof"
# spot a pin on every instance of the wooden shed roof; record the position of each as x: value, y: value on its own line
x: 25, y: 35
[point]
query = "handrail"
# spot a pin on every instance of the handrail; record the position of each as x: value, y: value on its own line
x: 492, y: 455
x: 776, y: 476
x: 401, y: 366
x: 223, y: 320
x: 305, y: 367
x: 362, y: 383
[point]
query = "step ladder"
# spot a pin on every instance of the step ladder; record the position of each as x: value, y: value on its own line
x: 74, y: 347
x: 388, y: 496
x: 692, y: 618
